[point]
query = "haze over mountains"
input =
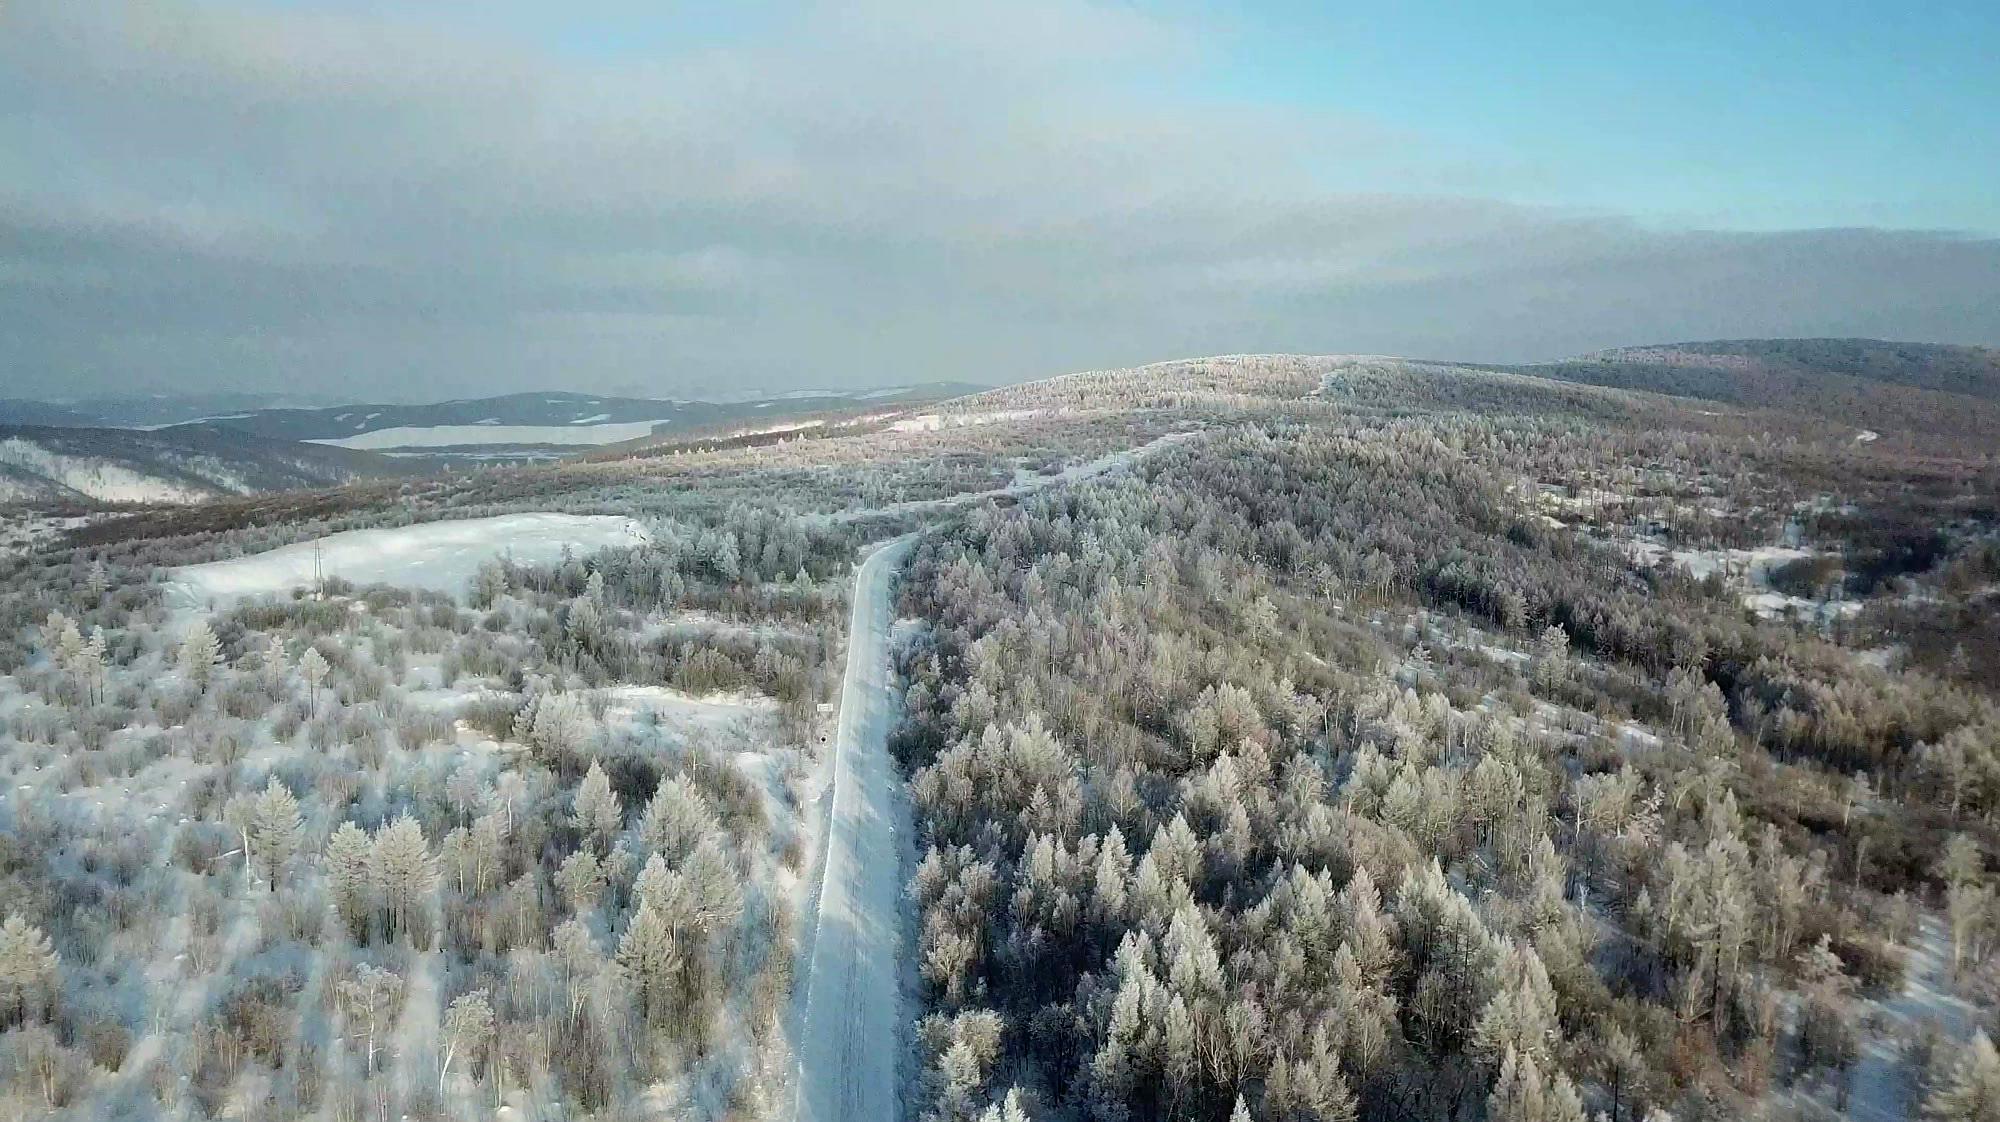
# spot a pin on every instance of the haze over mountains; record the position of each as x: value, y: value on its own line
x: 206, y: 446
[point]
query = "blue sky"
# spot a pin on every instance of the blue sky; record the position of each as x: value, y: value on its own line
x: 1778, y: 113
x: 415, y: 198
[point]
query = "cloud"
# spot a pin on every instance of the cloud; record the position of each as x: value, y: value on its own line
x: 199, y: 196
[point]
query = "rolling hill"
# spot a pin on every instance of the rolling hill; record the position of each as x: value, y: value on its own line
x: 183, y: 464
x: 1910, y: 388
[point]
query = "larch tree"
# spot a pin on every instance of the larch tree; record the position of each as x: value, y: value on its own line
x: 596, y: 812
x: 404, y: 871
x: 649, y: 960
x: 28, y: 968
x: 199, y: 653
x: 348, y: 857
x: 313, y: 668
x: 274, y: 829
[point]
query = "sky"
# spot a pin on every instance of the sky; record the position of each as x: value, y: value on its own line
x: 403, y: 199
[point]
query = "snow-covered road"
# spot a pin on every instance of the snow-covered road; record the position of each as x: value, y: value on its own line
x: 851, y: 1020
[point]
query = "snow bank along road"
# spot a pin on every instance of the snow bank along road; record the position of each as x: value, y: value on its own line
x: 850, y: 1016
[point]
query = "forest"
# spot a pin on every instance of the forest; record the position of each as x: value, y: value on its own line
x: 1284, y: 739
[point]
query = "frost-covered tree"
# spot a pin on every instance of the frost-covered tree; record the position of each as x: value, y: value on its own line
x: 370, y: 998
x: 1970, y: 1091
x: 348, y: 859
x: 274, y: 829
x: 199, y: 654
x: 468, y: 1026
x: 313, y: 668
x: 1524, y: 1094
x: 403, y: 869
x: 28, y: 968
x: 649, y: 960
x: 595, y: 810
x: 578, y: 960
x: 581, y: 881
x: 677, y: 818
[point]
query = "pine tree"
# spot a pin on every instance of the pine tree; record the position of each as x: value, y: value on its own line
x: 274, y: 829
x: 1009, y: 1109
x: 95, y: 661
x: 199, y: 654
x: 581, y: 881
x: 1521, y: 1017
x: 404, y: 871
x: 649, y: 960
x: 273, y: 663
x: 28, y: 967
x: 596, y: 811
x: 677, y: 818
x: 348, y: 856
x: 98, y: 581
x: 313, y: 668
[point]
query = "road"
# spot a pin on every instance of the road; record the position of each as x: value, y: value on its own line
x: 850, y: 1017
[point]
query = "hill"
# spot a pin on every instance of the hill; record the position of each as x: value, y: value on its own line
x: 183, y: 464
x: 544, y: 420
x: 1918, y: 388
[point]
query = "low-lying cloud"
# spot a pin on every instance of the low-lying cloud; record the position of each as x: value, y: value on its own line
x: 198, y: 196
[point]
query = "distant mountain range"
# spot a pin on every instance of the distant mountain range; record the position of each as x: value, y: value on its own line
x: 553, y: 420
x: 147, y: 450
x: 177, y: 450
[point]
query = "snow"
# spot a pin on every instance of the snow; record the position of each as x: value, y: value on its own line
x: 849, y: 1001
x: 594, y: 418
x: 1867, y: 436
x: 933, y: 422
x: 774, y: 429
x: 440, y: 556
x: 1881, y: 1087
x: 1754, y: 564
x: 726, y: 718
x: 493, y: 432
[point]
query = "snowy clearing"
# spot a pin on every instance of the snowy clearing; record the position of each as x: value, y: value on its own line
x: 438, y: 556
x: 447, y: 436
x: 726, y: 717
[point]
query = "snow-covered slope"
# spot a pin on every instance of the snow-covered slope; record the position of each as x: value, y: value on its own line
x: 181, y: 465
x: 439, y: 556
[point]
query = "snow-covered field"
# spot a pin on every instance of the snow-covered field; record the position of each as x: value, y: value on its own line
x: 447, y: 436
x: 22, y: 532
x: 438, y: 556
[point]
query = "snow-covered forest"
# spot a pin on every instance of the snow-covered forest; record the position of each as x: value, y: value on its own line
x: 1284, y: 739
